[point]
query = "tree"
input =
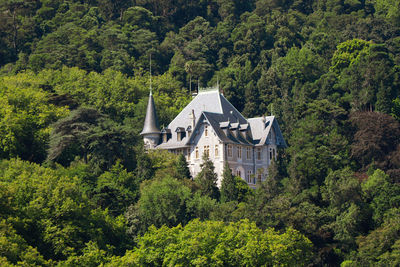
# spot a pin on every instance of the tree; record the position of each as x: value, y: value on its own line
x: 207, y: 178
x: 342, y: 191
x: 15, y: 13
x: 381, y: 246
x: 25, y: 117
x: 53, y: 214
x: 94, y: 137
x: 229, y: 190
x: 163, y: 202
x: 69, y: 135
x: 182, y: 169
x: 348, y: 53
x: 15, y: 250
x: 116, y: 190
x: 215, y: 243
x: 381, y: 195
x: 388, y: 9
x: 395, y: 112
x: 376, y: 136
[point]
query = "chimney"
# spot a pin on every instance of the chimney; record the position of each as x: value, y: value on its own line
x: 193, y: 118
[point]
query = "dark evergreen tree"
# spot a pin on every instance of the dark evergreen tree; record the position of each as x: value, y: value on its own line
x: 182, y: 169
x: 383, y: 99
x: 207, y: 178
x: 93, y: 136
x: 229, y: 190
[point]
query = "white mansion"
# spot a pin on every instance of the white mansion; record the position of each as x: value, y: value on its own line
x: 210, y: 124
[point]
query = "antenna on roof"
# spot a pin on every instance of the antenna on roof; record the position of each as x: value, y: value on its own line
x: 151, y: 89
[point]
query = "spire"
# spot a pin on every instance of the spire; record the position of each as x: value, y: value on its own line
x: 151, y: 121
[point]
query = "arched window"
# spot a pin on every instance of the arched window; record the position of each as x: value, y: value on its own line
x: 248, y: 176
x: 197, y: 152
x: 216, y: 151
x: 206, y: 130
x: 207, y: 150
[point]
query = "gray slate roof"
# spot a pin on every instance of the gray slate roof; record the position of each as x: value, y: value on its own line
x: 151, y: 121
x: 213, y: 108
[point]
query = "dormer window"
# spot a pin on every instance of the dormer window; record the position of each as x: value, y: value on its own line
x: 189, y: 130
x: 180, y: 133
x: 166, y: 135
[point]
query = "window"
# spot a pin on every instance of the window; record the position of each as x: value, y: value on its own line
x: 248, y: 176
x: 165, y: 138
x: 230, y: 151
x: 207, y: 150
x: 178, y: 136
x: 248, y: 152
x: 270, y: 154
x: 216, y: 151
x: 239, y: 152
x: 197, y: 152
x: 206, y: 130
x: 238, y: 173
x: 188, y: 153
x: 259, y: 153
x: 273, y: 153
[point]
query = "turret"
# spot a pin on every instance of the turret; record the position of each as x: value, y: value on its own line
x: 151, y: 130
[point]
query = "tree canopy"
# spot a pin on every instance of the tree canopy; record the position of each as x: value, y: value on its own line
x: 77, y: 187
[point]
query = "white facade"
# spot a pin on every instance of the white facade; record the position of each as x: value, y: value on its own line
x: 210, y: 124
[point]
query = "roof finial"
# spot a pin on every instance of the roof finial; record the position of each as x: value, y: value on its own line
x: 151, y: 89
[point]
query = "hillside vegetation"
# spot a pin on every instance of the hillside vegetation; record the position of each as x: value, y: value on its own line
x: 76, y: 187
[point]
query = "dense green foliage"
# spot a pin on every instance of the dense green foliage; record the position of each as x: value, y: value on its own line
x: 76, y: 187
x: 214, y: 243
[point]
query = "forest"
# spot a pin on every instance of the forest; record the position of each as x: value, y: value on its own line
x: 78, y: 189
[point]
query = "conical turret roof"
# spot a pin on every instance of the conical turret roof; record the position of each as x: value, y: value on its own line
x: 151, y: 122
